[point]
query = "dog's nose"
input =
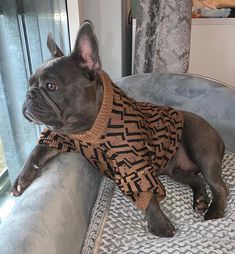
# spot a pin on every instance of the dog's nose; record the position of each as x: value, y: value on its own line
x: 31, y: 95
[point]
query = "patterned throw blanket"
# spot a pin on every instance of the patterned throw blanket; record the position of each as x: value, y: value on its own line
x: 117, y: 227
x: 129, y: 142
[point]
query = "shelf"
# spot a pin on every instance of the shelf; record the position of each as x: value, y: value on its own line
x: 213, y: 21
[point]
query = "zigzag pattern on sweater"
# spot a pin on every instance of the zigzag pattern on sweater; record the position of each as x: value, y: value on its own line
x: 138, y: 140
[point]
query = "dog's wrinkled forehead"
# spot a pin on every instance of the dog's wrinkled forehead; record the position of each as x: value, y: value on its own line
x: 50, y: 62
x: 52, y: 65
x: 61, y: 67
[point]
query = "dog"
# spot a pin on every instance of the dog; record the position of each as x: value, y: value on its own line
x: 81, y: 107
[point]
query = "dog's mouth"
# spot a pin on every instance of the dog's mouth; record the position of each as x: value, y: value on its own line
x: 30, y: 117
x: 35, y: 117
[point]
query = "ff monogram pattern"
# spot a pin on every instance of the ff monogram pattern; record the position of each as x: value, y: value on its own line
x: 129, y: 142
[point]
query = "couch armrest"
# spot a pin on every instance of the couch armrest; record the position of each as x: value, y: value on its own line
x: 52, y: 215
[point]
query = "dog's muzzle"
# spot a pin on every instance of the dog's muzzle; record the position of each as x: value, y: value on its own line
x: 39, y: 102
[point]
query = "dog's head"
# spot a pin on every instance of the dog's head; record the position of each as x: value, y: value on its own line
x: 65, y: 92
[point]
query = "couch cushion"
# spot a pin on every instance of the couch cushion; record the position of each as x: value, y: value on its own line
x: 118, y: 227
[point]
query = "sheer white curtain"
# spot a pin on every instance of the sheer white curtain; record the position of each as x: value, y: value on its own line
x: 24, y: 26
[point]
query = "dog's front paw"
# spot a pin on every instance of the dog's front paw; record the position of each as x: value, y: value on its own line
x: 161, y: 228
x: 20, y: 185
x: 158, y: 223
x: 24, y: 179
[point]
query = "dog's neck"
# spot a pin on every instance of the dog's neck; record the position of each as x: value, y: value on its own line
x: 98, y: 91
x: 104, y: 99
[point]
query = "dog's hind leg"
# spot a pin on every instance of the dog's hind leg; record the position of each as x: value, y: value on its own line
x: 205, y: 148
x: 212, y: 174
x: 197, y: 184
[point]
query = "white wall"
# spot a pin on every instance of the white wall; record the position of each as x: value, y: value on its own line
x: 212, y: 51
x: 106, y: 15
x: 73, y: 19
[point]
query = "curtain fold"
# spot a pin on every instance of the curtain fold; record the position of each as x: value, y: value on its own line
x: 163, y: 31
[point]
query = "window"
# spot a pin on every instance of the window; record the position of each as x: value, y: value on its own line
x: 4, y: 182
x: 24, y: 25
x: 3, y: 165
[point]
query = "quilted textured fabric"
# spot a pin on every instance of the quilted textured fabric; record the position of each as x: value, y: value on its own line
x: 117, y: 227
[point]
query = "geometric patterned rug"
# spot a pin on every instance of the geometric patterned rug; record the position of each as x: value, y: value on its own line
x: 117, y: 227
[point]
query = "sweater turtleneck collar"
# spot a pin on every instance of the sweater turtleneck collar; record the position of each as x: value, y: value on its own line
x: 93, y: 135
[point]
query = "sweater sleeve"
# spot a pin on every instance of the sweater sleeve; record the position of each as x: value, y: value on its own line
x: 58, y: 141
x: 137, y: 179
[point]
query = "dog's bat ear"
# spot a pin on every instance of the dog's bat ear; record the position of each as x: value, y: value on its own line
x: 86, y: 47
x: 52, y: 46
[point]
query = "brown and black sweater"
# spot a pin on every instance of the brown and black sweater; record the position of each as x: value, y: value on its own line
x: 129, y: 142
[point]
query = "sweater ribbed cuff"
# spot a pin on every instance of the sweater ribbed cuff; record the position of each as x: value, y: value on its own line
x: 143, y: 200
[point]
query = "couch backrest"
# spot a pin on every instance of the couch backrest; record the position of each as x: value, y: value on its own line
x: 206, y: 97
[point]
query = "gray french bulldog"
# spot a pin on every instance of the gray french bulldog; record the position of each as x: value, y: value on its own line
x: 59, y: 98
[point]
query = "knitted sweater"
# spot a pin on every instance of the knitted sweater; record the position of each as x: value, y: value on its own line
x: 129, y: 142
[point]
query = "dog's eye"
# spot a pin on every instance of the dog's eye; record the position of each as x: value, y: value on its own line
x: 52, y: 87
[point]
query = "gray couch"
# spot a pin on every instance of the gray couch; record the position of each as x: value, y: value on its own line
x: 53, y: 214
